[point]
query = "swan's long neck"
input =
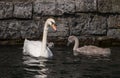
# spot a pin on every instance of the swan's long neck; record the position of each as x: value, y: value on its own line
x: 76, y: 45
x: 44, y: 39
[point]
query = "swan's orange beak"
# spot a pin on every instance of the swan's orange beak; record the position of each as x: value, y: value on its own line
x: 54, y: 27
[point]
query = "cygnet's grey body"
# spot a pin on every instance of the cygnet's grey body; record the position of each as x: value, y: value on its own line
x: 88, y: 50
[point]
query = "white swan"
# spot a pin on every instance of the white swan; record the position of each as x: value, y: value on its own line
x: 88, y: 50
x: 38, y: 48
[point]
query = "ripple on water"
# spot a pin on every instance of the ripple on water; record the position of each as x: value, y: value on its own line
x: 63, y: 65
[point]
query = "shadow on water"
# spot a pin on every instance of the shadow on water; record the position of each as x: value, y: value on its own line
x: 13, y: 64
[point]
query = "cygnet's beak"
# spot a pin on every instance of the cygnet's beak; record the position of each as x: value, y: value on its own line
x: 54, y: 27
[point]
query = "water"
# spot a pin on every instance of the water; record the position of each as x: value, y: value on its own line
x: 13, y: 64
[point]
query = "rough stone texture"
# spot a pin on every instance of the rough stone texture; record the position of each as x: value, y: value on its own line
x: 104, y: 6
x: 69, y: 6
x: 97, y: 25
x: 114, y: 33
x: 78, y: 24
x: 34, y: 29
x: 10, y: 29
x: 30, y: 29
x: 88, y: 40
x: 2, y: 30
x: 88, y: 24
x: 109, y: 6
x: 44, y: 7
x: 86, y: 19
x: 65, y: 6
x: 116, y: 6
x: 86, y: 5
x: 6, y: 10
x: 19, y: 29
x: 114, y: 21
x: 60, y: 7
x: 62, y: 28
x: 22, y: 10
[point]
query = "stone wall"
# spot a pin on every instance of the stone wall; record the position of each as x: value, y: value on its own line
x: 90, y: 20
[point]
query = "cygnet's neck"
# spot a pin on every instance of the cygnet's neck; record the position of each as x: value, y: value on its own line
x: 76, y: 45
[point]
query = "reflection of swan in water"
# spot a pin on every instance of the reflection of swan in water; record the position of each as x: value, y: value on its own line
x: 88, y: 50
x: 38, y: 48
x: 35, y: 66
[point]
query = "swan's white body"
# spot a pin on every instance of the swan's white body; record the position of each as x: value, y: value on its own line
x: 38, y: 48
x: 33, y: 48
x: 88, y: 50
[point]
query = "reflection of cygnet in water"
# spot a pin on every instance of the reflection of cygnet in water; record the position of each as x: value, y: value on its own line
x: 89, y: 50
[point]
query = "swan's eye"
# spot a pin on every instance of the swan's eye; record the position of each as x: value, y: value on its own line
x: 53, y: 23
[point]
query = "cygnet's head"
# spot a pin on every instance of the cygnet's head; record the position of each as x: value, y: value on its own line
x: 71, y: 39
x: 51, y: 23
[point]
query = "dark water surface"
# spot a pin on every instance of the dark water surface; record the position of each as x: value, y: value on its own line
x: 13, y: 64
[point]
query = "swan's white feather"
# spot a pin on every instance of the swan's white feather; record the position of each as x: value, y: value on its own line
x: 33, y: 48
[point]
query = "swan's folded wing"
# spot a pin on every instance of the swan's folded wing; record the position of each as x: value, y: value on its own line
x: 32, y: 48
x: 50, y: 54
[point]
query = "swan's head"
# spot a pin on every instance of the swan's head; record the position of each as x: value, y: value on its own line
x: 51, y: 22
